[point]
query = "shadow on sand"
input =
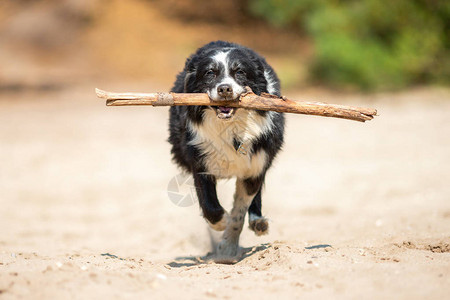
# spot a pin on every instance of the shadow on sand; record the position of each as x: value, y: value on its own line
x: 188, y: 261
x: 211, y: 257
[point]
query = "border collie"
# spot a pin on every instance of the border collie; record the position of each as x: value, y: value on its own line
x: 215, y: 142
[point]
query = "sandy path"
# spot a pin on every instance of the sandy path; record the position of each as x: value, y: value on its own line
x: 85, y: 212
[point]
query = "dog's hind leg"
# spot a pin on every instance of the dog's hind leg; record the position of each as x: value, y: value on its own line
x: 246, y: 190
x: 256, y: 221
x: 213, y: 212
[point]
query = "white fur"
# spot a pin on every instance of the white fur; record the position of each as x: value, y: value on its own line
x: 229, y: 245
x: 253, y: 217
x: 253, y: 221
x: 215, y: 137
x: 270, y: 82
x: 222, y: 58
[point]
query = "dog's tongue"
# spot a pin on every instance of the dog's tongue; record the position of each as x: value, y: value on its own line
x: 224, y: 109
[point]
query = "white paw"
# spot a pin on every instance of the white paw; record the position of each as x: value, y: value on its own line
x: 221, y: 225
x: 260, y: 225
x: 227, y: 248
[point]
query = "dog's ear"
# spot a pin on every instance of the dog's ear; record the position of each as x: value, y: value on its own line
x: 191, y: 72
x: 188, y: 81
x: 186, y: 64
x: 259, y: 82
x: 261, y: 65
x: 190, y: 64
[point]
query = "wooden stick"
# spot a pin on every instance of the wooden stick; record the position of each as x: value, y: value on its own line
x: 247, y: 100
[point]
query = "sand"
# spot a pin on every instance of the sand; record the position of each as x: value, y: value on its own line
x: 357, y: 211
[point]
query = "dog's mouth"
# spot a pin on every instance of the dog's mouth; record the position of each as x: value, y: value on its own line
x: 224, y: 112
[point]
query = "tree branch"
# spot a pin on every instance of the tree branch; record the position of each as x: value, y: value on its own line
x: 247, y: 100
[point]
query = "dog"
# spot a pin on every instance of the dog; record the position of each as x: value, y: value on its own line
x: 219, y: 142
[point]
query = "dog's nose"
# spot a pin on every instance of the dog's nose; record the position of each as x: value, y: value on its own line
x: 225, y: 91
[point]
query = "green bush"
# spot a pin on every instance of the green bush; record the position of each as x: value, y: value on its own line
x: 370, y: 44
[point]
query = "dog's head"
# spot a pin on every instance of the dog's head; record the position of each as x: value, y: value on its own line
x: 223, y: 73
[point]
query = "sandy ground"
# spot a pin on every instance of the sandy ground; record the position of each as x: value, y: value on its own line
x: 358, y: 211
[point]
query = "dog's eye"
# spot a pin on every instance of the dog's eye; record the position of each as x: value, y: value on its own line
x: 210, y: 73
x: 240, y: 73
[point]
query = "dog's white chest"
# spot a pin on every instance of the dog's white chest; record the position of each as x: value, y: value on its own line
x: 216, y: 139
x: 223, y: 161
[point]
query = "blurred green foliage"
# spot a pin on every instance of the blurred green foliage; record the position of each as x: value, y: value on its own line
x: 371, y: 44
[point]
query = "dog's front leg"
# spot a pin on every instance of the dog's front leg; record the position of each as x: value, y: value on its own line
x: 213, y: 212
x: 257, y: 223
x: 245, y: 192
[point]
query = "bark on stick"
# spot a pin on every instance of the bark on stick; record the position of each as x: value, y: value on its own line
x: 247, y: 100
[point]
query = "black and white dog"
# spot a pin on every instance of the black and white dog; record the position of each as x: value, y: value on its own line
x: 214, y: 142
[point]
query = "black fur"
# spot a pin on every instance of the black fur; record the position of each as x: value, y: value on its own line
x: 200, y: 75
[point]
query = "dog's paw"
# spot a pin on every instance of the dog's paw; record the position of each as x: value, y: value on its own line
x: 221, y: 225
x: 260, y: 225
x: 227, y: 249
